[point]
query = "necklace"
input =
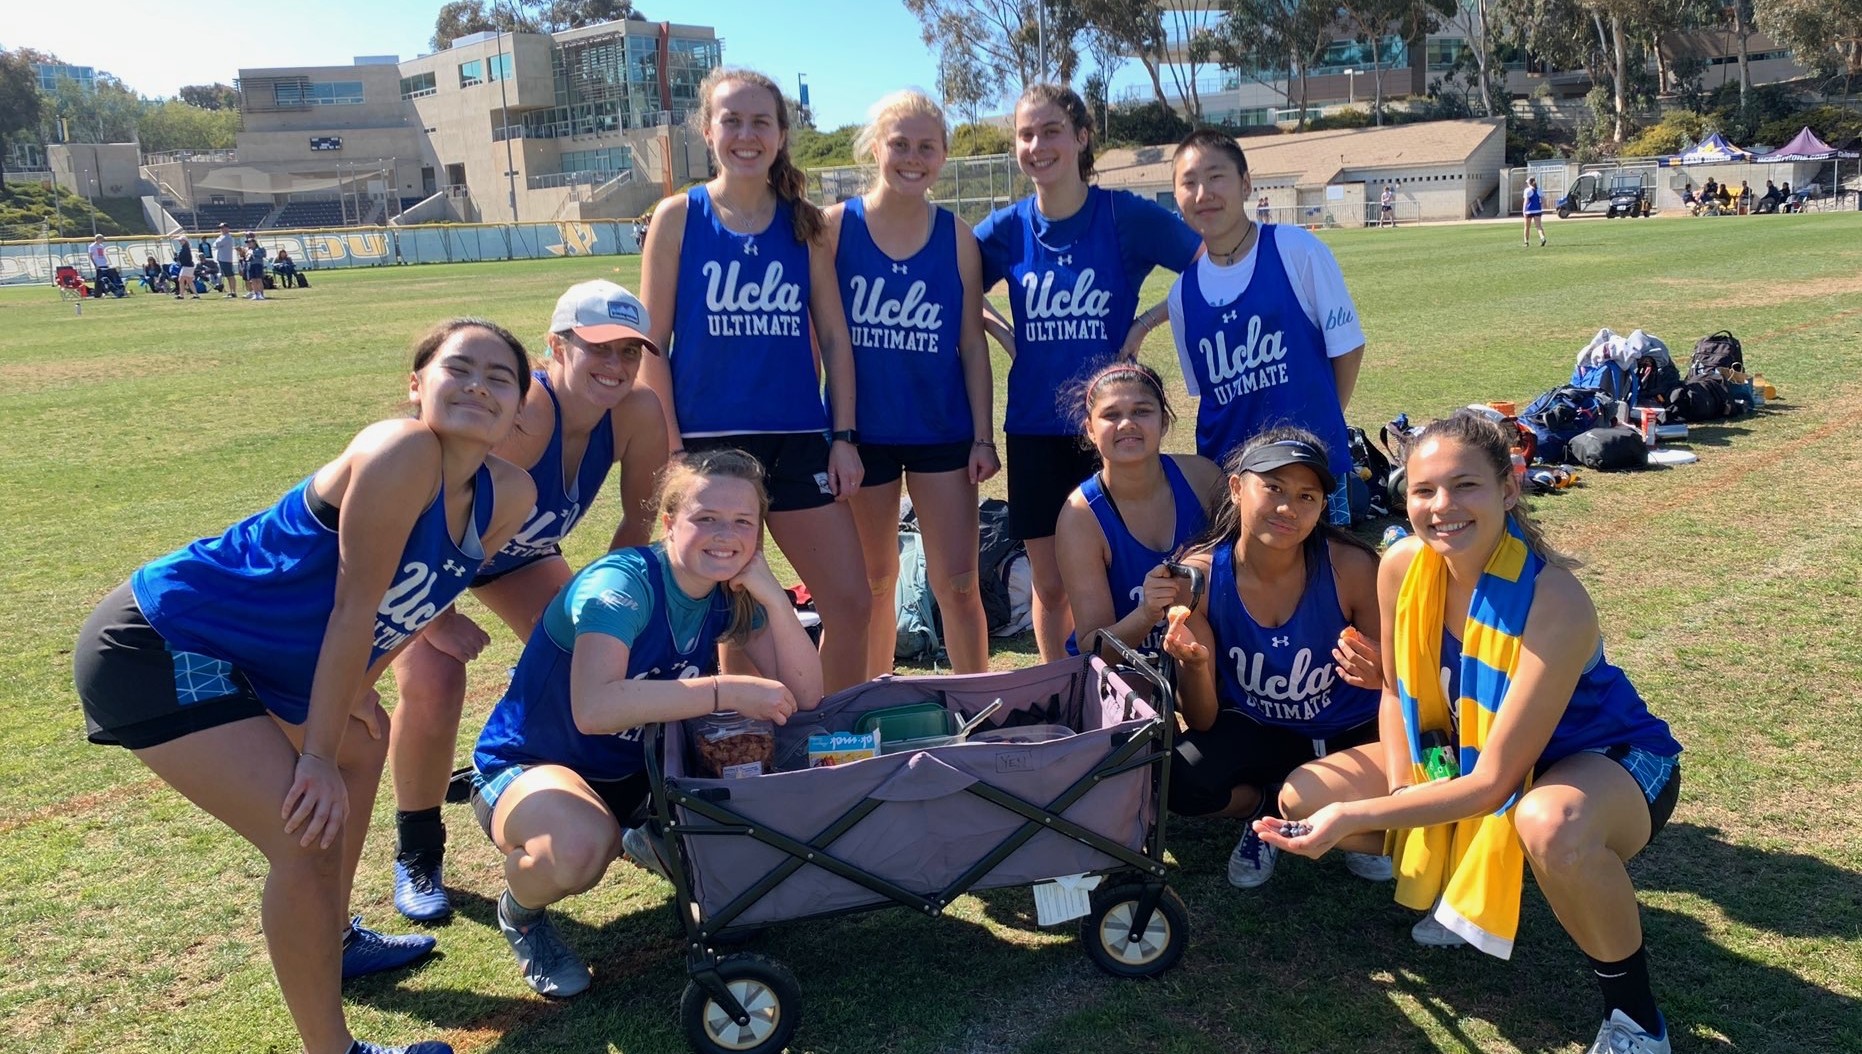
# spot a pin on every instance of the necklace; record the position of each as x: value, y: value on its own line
x: 1226, y: 258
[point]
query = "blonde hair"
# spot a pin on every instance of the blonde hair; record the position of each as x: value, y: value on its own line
x: 681, y: 477
x: 789, y: 182
x: 907, y: 102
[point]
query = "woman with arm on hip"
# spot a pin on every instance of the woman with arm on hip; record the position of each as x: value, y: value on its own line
x: 739, y: 276
x: 240, y: 668
x: 1508, y: 738
x: 583, y: 415
x: 911, y: 283
x: 1075, y: 257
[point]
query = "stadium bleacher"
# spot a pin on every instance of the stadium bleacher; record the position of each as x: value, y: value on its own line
x: 300, y: 215
x: 207, y: 218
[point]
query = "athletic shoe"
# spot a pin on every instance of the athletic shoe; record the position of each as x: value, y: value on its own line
x: 1620, y: 1035
x: 1369, y: 867
x: 1252, y: 862
x: 235, y: 296
x: 1432, y: 934
x: 1541, y: 243
x: 431, y: 1046
x: 637, y: 846
x: 550, y: 966
x: 418, y: 891
x: 366, y: 951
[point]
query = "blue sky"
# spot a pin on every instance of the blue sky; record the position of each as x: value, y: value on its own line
x: 852, y: 51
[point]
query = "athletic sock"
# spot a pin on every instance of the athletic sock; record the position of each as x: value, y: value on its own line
x: 516, y: 914
x: 1625, y: 986
x: 418, y: 831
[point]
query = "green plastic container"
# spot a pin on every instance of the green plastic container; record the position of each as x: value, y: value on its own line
x: 912, y: 721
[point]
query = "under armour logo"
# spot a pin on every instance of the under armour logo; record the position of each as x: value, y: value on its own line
x: 1065, y: 259
x: 1228, y: 316
x: 1281, y: 642
x: 750, y: 248
x: 898, y: 269
x: 457, y: 569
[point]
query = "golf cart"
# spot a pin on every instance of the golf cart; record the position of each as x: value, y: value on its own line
x: 1619, y: 194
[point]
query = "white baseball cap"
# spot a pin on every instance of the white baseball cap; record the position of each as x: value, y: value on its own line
x: 600, y: 311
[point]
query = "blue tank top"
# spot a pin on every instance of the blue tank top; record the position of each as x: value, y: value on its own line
x: 905, y: 318
x: 1072, y: 306
x: 1605, y: 709
x: 1534, y: 203
x: 260, y: 595
x: 742, y: 359
x: 534, y: 723
x: 560, y: 501
x: 1259, y: 362
x: 1132, y: 560
x: 1284, y: 675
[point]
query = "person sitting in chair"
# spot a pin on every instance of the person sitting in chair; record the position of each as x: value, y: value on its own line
x: 286, y: 270
x: 154, y: 278
x: 1690, y: 200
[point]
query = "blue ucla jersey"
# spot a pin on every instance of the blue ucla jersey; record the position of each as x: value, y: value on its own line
x: 1258, y: 362
x: 905, y: 318
x: 1132, y: 560
x: 1605, y: 709
x: 1284, y: 675
x: 1073, y: 290
x: 534, y: 724
x: 561, y: 500
x: 1534, y: 202
x: 260, y: 595
x: 742, y: 358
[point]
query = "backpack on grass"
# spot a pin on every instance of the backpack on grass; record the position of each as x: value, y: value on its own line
x: 1561, y: 415
x: 1609, y: 449
x: 918, y: 639
x: 1608, y: 377
x: 1717, y: 351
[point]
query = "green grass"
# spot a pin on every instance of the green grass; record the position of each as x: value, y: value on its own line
x: 1728, y: 589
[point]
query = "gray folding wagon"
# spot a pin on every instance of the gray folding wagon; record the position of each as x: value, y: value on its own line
x: 920, y: 828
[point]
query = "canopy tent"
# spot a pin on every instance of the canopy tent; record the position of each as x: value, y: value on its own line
x: 1713, y: 150
x: 247, y: 180
x: 1806, y: 147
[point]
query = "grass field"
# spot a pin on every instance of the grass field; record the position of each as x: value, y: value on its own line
x: 1728, y: 589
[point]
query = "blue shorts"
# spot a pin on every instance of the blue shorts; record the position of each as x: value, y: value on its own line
x: 1658, y: 775
x: 624, y: 797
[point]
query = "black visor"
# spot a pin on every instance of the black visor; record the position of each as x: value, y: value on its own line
x: 1289, y: 452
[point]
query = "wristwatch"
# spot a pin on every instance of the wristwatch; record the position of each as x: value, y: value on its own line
x: 845, y: 435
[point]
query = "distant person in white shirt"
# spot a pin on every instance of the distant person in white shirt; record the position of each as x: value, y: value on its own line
x: 1386, y: 212
x: 223, y: 256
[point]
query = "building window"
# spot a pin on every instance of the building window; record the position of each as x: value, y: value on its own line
x: 331, y: 93
x: 613, y: 159
x: 1443, y: 51
x: 418, y: 86
x: 471, y: 73
x: 498, y: 68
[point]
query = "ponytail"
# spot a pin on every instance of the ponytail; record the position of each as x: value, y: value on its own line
x: 789, y: 183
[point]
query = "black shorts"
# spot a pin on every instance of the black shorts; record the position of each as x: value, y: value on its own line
x: 1043, y: 470
x: 795, y: 465
x: 138, y: 692
x: 1658, y: 776
x: 1238, y: 751
x: 625, y: 798
x: 886, y: 462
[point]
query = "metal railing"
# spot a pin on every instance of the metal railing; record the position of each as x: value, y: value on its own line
x: 170, y: 156
x: 567, y: 179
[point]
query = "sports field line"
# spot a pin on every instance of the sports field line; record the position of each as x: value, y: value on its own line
x: 83, y: 804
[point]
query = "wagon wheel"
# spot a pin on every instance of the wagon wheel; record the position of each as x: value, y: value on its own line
x: 766, y: 989
x: 1106, y: 932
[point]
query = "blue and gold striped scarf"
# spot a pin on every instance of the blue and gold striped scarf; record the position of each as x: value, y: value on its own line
x: 1471, y: 870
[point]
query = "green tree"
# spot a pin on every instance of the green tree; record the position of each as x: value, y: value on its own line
x: 210, y: 96
x: 1000, y: 41
x: 979, y: 140
x: 19, y: 100
x: 1271, y: 40
x: 460, y: 18
x: 106, y: 114
x: 1824, y: 35
x: 175, y: 125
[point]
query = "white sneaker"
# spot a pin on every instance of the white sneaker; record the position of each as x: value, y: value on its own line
x: 1369, y: 867
x: 1432, y: 934
x: 1252, y: 862
x: 1620, y: 1035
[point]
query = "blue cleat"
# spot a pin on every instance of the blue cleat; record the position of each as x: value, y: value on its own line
x: 418, y: 891
x: 366, y: 951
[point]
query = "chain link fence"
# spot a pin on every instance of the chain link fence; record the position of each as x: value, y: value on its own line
x: 971, y: 187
